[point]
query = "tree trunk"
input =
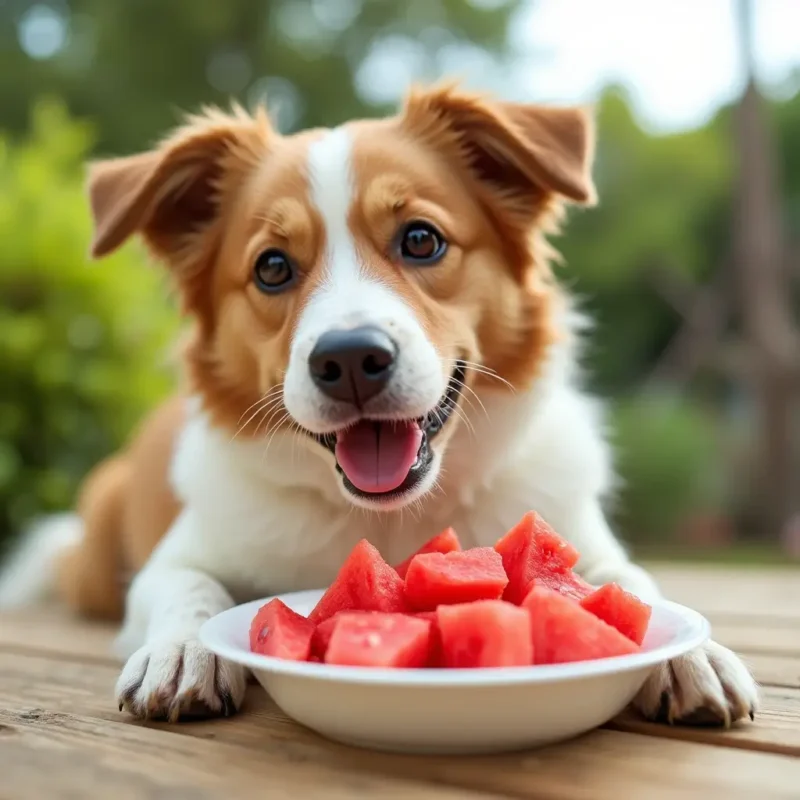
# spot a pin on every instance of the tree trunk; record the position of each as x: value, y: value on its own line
x: 763, y: 289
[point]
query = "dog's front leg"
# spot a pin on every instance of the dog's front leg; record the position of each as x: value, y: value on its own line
x: 171, y: 675
x: 708, y: 686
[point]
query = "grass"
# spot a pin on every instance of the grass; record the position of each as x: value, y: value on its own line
x: 740, y: 554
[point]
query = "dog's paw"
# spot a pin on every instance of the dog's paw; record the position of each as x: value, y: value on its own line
x: 709, y: 686
x: 171, y: 680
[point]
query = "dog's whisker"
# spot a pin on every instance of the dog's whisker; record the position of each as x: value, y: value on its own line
x: 273, y: 407
x: 277, y: 427
x: 262, y: 399
x: 264, y: 402
x: 487, y: 372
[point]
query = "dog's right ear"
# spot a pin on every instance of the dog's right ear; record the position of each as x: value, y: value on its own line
x: 173, y: 192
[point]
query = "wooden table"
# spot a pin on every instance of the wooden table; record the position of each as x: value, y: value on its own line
x: 61, y: 735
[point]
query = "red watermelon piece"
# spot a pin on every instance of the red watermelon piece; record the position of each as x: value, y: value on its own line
x: 568, y: 583
x: 364, y: 583
x: 322, y: 636
x: 620, y: 609
x: 434, y: 579
x: 278, y: 631
x: 379, y: 640
x: 533, y: 550
x: 562, y: 631
x: 485, y: 633
x: 444, y: 542
x: 435, y: 654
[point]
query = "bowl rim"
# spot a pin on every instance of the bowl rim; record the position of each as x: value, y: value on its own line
x: 213, y: 636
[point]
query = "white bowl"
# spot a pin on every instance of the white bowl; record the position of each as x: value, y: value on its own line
x: 458, y: 710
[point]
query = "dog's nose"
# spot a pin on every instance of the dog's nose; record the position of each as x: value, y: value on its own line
x: 353, y: 366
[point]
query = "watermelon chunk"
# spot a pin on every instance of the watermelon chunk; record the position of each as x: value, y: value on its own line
x: 322, y: 636
x: 533, y: 550
x: 435, y: 654
x: 562, y: 631
x: 567, y: 583
x: 620, y: 609
x: 278, y: 631
x: 486, y: 633
x: 434, y: 579
x: 379, y: 640
x: 444, y: 542
x: 364, y: 583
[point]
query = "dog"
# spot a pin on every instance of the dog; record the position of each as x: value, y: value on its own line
x: 379, y: 350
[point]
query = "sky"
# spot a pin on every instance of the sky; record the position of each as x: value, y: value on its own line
x: 678, y: 57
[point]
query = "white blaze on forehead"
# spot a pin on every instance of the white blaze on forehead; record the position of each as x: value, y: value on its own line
x: 349, y: 296
x: 331, y: 179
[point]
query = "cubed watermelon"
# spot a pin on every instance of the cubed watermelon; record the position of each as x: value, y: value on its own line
x: 434, y: 579
x: 569, y: 583
x: 364, y: 583
x: 532, y: 549
x: 620, y: 609
x: 322, y: 636
x: 485, y: 633
x: 278, y: 631
x: 435, y: 654
x: 379, y: 640
x: 562, y: 631
x: 444, y: 542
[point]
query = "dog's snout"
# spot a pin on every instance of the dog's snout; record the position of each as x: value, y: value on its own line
x: 353, y: 365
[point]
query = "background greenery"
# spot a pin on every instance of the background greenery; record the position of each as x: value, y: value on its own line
x: 85, y: 346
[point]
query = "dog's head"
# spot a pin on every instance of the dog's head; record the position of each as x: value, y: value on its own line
x: 357, y: 283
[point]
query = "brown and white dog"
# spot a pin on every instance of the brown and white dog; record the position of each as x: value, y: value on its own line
x: 380, y: 350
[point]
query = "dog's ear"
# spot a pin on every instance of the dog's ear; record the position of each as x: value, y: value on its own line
x: 524, y: 151
x: 173, y: 191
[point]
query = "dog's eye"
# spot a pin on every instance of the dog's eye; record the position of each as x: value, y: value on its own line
x: 274, y: 271
x: 422, y: 244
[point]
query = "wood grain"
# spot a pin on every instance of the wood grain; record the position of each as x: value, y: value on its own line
x: 70, y: 691
x: 773, y: 593
x: 54, y: 631
x: 148, y: 762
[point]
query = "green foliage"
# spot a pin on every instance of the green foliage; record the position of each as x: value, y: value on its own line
x: 671, y: 463
x: 130, y: 64
x: 81, y: 342
x: 663, y: 207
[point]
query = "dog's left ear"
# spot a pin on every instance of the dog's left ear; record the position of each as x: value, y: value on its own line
x: 522, y: 150
x: 174, y: 191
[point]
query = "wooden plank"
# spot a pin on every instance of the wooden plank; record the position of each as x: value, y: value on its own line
x: 88, y: 689
x: 762, y: 639
x: 772, y: 670
x: 602, y: 764
x: 53, y: 755
x: 776, y: 729
x: 53, y: 630
x: 90, y: 758
x: 732, y: 590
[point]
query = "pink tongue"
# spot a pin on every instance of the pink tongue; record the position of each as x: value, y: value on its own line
x: 377, y: 456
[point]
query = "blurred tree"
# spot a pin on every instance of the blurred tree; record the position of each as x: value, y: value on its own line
x: 84, y: 347
x: 130, y: 64
x: 661, y: 227
x: 764, y: 300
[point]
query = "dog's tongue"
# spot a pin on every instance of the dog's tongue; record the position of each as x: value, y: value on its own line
x: 377, y: 456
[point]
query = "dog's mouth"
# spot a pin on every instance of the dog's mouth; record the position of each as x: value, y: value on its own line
x: 382, y: 458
